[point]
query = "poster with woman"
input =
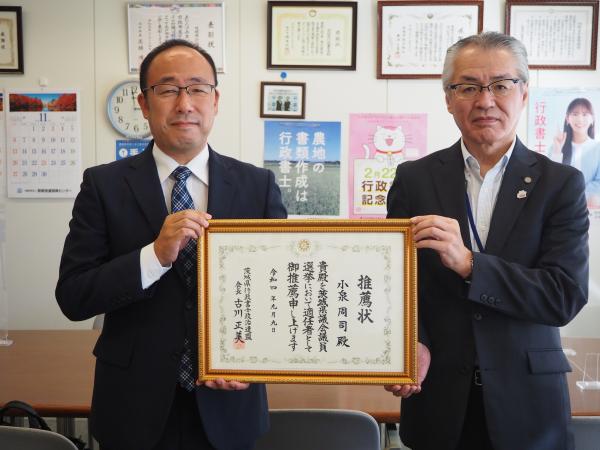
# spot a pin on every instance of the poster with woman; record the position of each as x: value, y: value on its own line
x: 562, y: 125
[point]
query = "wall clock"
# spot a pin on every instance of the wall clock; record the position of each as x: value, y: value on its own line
x: 124, y: 112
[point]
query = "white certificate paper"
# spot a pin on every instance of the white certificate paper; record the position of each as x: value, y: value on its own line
x: 554, y: 35
x: 414, y: 39
x: 329, y: 303
x: 312, y: 35
x: 151, y: 24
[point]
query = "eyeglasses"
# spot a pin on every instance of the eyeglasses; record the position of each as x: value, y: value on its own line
x: 197, y: 90
x: 500, y: 88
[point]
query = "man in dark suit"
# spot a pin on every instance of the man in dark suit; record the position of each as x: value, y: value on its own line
x: 502, y: 242
x: 126, y: 256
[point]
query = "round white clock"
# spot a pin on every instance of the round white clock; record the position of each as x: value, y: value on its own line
x: 124, y: 112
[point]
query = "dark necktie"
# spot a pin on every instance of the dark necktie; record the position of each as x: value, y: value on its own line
x: 180, y: 200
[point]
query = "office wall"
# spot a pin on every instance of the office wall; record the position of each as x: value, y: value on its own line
x: 90, y: 54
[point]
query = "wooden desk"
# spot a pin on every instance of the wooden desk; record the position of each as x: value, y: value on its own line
x: 54, y: 370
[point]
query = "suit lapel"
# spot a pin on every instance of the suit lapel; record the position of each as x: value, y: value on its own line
x: 145, y: 185
x: 221, y: 189
x: 513, y: 195
x: 449, y: 182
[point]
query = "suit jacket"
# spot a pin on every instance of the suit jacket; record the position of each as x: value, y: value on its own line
x: 119, y: 210
x: 531, y: 279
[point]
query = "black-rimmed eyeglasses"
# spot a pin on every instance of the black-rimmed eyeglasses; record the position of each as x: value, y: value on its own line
x: 499, y: 88
x: 196, y: 90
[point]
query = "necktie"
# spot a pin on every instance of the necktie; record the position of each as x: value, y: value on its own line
x: 180, y: 200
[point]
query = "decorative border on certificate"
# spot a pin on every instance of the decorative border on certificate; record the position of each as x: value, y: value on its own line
x: 557, y: 34
x: 413, y: 35
x: 307, y: 301
x: 11, y: 40
x: 311, y: 35
x: 151, y: 24
x: 282, y: 100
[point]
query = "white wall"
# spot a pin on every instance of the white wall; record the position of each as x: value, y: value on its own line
x: 82, y: 44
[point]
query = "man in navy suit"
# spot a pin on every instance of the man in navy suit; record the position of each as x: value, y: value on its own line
x: 502, y: 238
x: 131, y: 222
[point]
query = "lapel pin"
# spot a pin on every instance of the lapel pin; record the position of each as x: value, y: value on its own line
x: 527, y: 180
x: 521, y: 194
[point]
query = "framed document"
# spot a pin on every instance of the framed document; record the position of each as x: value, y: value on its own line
x: 307, y: 301
x: 557, y: 34
x: 151, y: 24
x: 413, y: 35
x: 282, y: 100
x: 311, y: 35
x: 11, y: 40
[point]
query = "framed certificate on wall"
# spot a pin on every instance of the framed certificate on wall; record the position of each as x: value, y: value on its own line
x: 311, y: 35
x: 557, y: 34
x: 413, y: 35
x: 11, y: 40
x: 151, y: 24
x: 307, y: 301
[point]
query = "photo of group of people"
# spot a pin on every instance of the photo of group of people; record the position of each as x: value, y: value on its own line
x: 562, y: 125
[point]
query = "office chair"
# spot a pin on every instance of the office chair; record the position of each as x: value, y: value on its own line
x: 33, y: 439
x: 320, y: 429
x: 587, y: 432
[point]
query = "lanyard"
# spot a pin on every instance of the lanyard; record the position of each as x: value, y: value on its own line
x: 472, y: 224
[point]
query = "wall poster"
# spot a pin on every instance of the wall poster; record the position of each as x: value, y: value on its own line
x: 305, y: 157
x: 378, y: 143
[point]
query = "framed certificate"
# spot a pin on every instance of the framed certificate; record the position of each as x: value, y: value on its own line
x: 311, y: 35
x: 11, y: 40
x: 307, y: 301
x: 151, y: 24
x: 413, y: 35
x: 282, y: 100
x: 557, y: 34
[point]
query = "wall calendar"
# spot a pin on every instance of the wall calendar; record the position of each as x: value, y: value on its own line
x: 43, y: 151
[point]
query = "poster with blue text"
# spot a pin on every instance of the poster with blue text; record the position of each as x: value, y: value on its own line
x: 305, y: 158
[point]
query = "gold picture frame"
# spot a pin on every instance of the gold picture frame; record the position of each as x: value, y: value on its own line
x: 308, y: 301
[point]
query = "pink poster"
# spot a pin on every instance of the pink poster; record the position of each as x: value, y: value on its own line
x: 378, y: 143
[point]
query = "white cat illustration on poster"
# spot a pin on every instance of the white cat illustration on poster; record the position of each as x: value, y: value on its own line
x: 378, y: 143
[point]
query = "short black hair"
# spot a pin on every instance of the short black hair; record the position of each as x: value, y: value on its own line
x: 165, y: 46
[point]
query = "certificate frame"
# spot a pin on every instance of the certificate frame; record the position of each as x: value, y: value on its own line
x: 11, y: 56
x: 145, y: 31
x: 336, y: 17
x: 574, y: 10
x: 460, y: 14
x: 282, y: 100
x: 229, y: 245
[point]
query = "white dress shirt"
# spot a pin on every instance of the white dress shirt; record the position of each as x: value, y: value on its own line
x: 197, y: 186
x: 483, y: 191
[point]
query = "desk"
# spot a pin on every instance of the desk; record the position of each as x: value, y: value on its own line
x: 53, y: 370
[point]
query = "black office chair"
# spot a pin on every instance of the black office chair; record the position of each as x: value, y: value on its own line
x: 587, y: 432
x: 320, y: 429
x: 33, y: 439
